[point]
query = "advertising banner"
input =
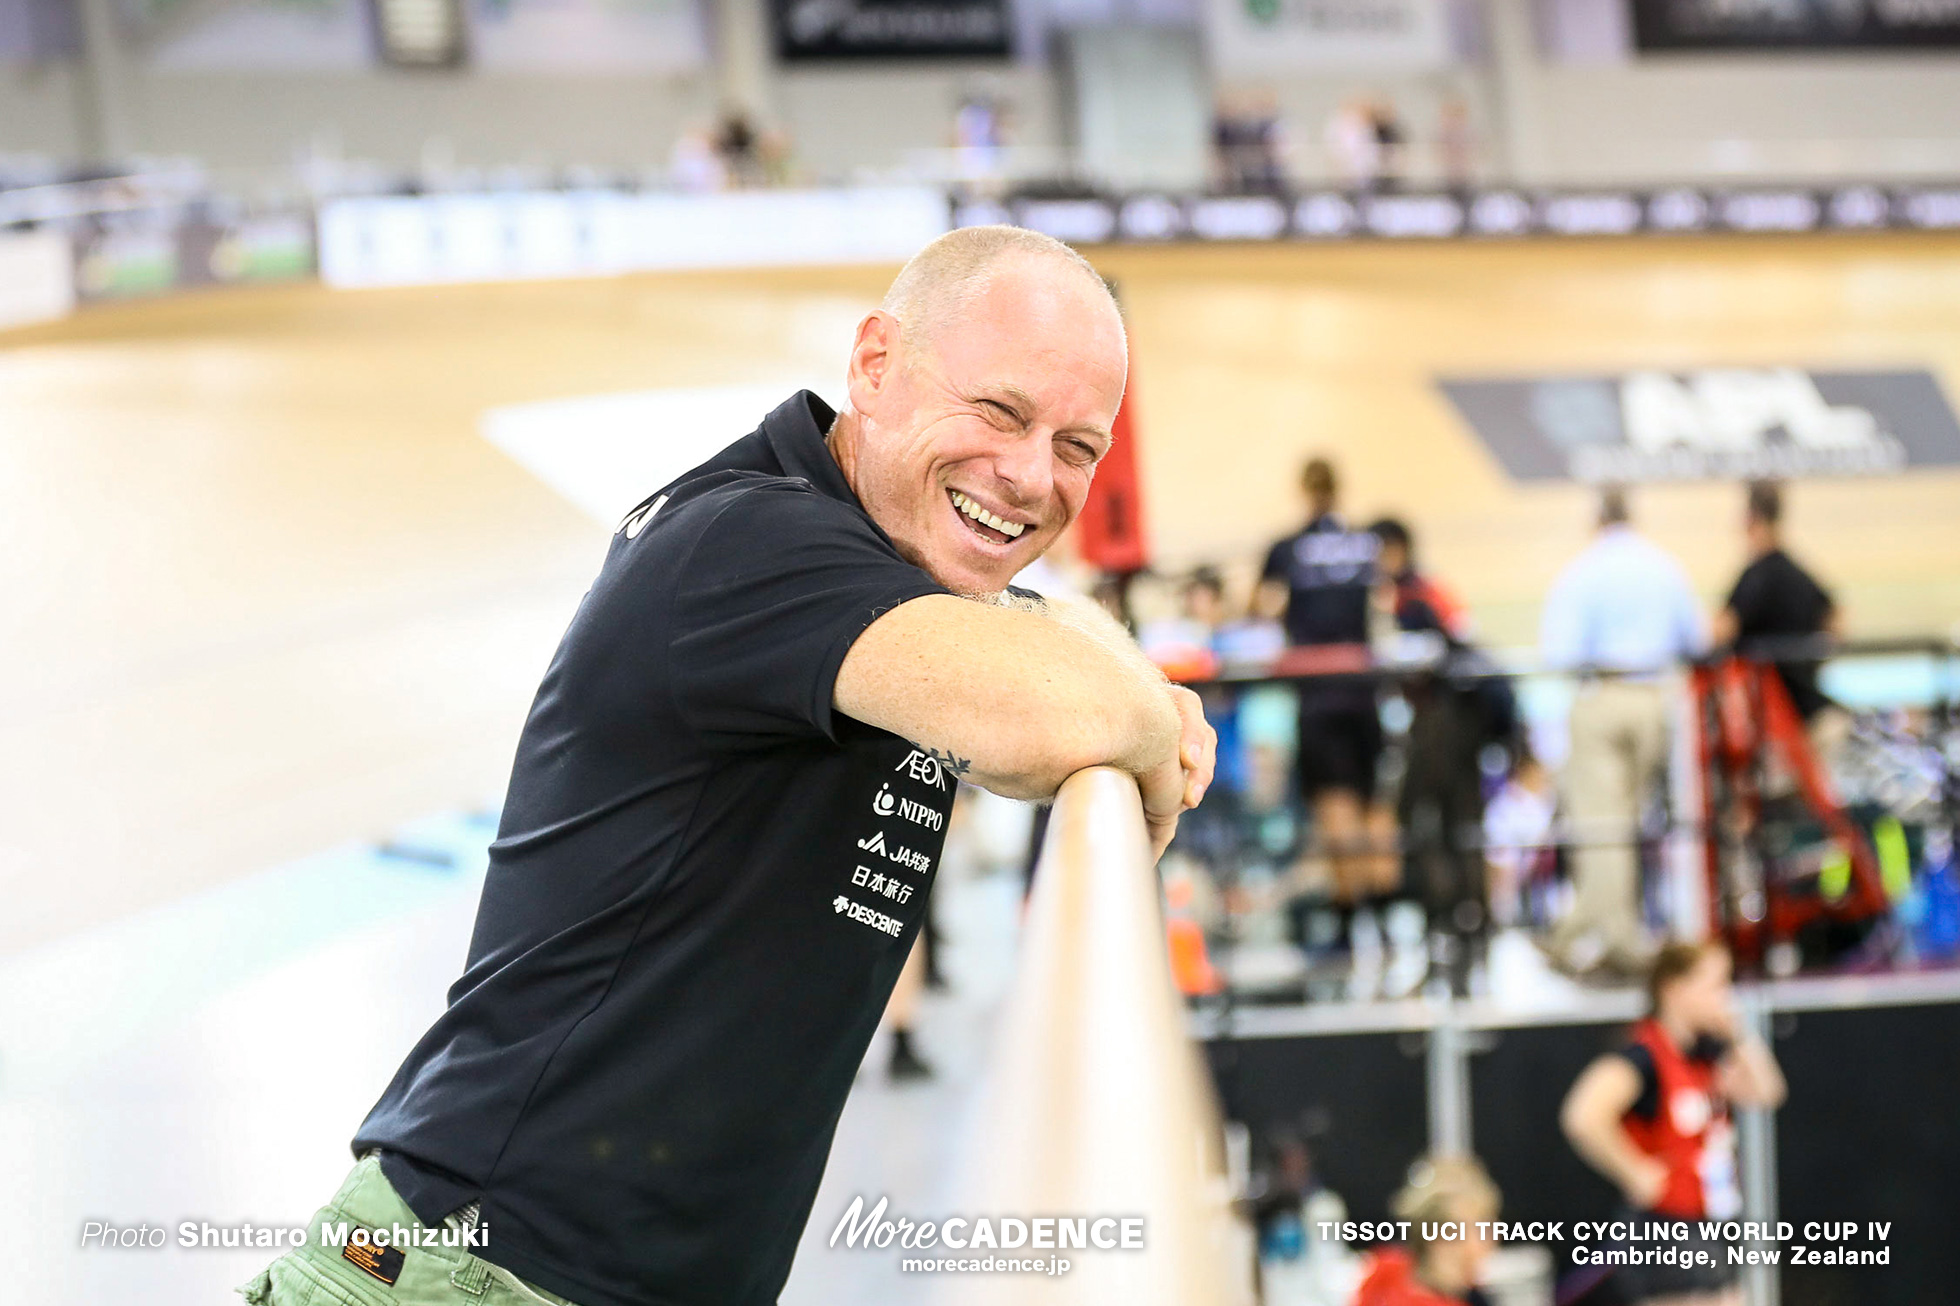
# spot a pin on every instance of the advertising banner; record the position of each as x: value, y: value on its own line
x: 891, y: 29
x: 1667, y: 26
x: 1714, y: 424
x: 587, y: 36
x: 1275, y: 36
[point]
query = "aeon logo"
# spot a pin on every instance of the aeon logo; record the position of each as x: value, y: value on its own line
x: 925, y: 767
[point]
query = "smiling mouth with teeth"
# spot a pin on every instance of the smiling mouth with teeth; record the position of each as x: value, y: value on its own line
x: 983, y: 523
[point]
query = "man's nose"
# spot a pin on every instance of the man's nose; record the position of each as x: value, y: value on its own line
x: 1025, y: 465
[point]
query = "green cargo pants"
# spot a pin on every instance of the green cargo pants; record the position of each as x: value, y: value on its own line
x: 328, y: 1271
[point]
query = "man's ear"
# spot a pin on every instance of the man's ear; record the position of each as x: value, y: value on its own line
x: 874, y: 355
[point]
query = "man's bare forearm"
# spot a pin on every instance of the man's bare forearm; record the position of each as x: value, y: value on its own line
x: 1154, y: 733
x: 1017, y: 701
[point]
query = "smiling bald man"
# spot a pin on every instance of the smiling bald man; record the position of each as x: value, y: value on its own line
x: 728, y: 806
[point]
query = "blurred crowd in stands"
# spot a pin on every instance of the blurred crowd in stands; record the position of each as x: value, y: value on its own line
x: 1367, y: 146
x: 1384, y: 809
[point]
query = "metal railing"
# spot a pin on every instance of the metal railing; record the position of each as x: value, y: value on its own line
x: 1098, y: 1104
x: 1909, y: 773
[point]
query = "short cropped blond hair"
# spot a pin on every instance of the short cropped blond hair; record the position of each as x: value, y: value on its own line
x: 943, y: 276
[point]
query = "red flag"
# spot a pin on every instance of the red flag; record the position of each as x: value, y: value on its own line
x: 1109, y: 533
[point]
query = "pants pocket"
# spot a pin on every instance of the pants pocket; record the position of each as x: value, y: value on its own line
x: 282, y: 1283
x: 298, y: 1281
x: 259, y: 1291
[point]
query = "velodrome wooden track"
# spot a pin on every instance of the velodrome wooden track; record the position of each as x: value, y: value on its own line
x: 267, y: 590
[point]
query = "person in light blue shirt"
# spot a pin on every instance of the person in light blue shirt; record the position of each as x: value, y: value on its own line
x: 1622, y: 607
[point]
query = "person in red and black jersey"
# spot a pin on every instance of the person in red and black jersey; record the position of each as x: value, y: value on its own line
x: 1417, y: 600
x: 1653, y: 1116
x: 1441, y: 1271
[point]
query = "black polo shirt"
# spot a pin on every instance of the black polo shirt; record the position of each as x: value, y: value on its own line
x: 1775, y: 597
x: 702, y: 891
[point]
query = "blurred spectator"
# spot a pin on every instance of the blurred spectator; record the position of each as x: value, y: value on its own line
x: 1182, y: 645
x: 1111, y: 592
x: 901, y: 1017
x: 1456, y: 709
x: 775, y: 157
x: 739, y: 146
x: 1289, y: 1204
x: 1416, y: 601
x: 1392, y: 142
x: 1653, y: 1116
x: 980, y: 126
x: 1249, y: 638
x: 1354, y: 145
x: 695, y: 165
x: 1438, y: 1271
x: 1775, y: 598
x: 1320, y: 578
x: 1518, y: 841
x: 1246, y: 136
x: 1190, y: 647
x: 1456, y: 144
x: 1621, y: 614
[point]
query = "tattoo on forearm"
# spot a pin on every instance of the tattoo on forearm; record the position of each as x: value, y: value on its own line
x: 957, y: 766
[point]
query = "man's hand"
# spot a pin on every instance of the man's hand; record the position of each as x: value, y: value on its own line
x: 1178, y: 783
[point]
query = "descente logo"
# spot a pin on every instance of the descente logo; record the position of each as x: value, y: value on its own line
x: 863, y: 915
x: 866, y: 1230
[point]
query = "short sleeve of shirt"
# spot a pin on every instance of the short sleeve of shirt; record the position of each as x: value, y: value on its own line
x: 775, y: 590
x: 1275, y: 568
x: 1642, y: 1061
x: 1746, y: 599
x: 1775, y: 596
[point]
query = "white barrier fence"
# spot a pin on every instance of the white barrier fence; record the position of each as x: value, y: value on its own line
x: 37, y: 277
x: 423, y: 240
